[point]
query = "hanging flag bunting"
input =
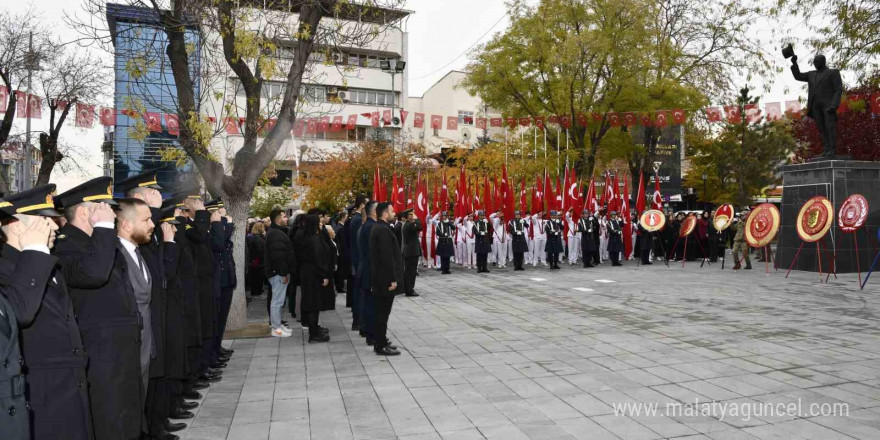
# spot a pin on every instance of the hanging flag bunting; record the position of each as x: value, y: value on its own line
x: 232, y: 127
x: 374, y: 118
x: 85, y: 115
x: 61, y: 104
x: 21, y: 104
x: 172, y: 124
x: 481, y: 123
x: 337, y: 123
x: 713, y: 114
x: 614, y: 119
x: 108, y: 116
x: 311, y: 126
x: 773, y: 110
x: 35, y: 107
x: 436, y: 122
x: 351, y: 124
x: 629, y: 119
x: 875, y: 103
x: 153, y: 121
x: 597, y: 117
x: 662, y: 119
x: 539, y: 122
x: 645, y: 119
x: 582, y: 119
x: 496, y: 122
x: 732, y: 113
x: 793, y: 109
x: 753, y: 114
x: 451, y: 123
x: 525, y: 121
x: 325, y: 124
x: 403, y: 115
x: 419, y: 120
x: 678, y: 116
x: 565, y: 122
x: 3, y: 96
x: 511, y: 122
x: 386, y: 117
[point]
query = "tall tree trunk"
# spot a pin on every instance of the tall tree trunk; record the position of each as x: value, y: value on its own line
x: 237, y: 207
x: 51, y: 156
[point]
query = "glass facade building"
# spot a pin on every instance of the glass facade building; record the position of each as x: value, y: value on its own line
x: 143, y: 80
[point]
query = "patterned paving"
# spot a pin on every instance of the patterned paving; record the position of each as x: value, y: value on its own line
x: 573, y: 354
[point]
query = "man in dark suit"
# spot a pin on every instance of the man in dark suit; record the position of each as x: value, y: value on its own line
x: 367, y: 304
x: 110, y: 321
x: 386, y: 275
x: 411, y: 250
x: 353, y: 287
x: 52, y: 350
x: 824, y: 89
x: 615, y: 242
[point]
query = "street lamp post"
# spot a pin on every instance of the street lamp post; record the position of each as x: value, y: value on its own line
x: 705, y: 196
x: 302, y: 152
x: 393, y: 67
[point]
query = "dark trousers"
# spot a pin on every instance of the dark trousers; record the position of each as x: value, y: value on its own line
x: 355, y: 300
x: 158, y: 406
x: 646, y: 255
x: 444, y: 264
x: 553, y: 258
x: 615, y: 257
x: 257, y: 279
x: 339, y: 280
x: 291, y: 297
x: 827, y: 125
x: 349, y: 290
x: 368, y: 310
x: 587, y: 256
x: 482, y: 262
x: 383, y: 311
x: 410, y: 264
x: 518, y: 260
x: 310, y: 320
x: 222, y: 314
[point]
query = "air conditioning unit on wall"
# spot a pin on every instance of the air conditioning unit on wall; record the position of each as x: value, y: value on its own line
x: 342, y: 95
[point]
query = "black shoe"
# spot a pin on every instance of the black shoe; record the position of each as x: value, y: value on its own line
x: 386, y: 351
x: 223, y: 357
x: 412, y: 294
x: 218, y: 366
x: 213, y: 372
x: 174, y: 427
x: 355, y: 326
x: 198, y: 385
x: 748, y: 267
x: 186, y: 406
x: 486, y: 271
x: 646, y: 263
x: 181, y: 415
x: 446, y: 273
x: 226, y: 351
x: 210, y: 379
x: 616, y: 264
x: 284, y: 323
x: 168, y: 436
x: 370, y: 341
x: 363, y: 334
x: 320, y: 337
x: 191, y: 395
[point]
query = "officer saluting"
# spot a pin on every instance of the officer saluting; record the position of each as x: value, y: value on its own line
x: 54, y: 358
x: 589, y: 247
x: 553, y: 229
x: 517, y: 230
x: 109, y: 321
x: 615, y: 243
x: 445, y: 249
x: 483, y: 246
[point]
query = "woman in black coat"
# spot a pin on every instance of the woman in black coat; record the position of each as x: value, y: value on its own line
x: 315, y: 272
x: 256, y: 246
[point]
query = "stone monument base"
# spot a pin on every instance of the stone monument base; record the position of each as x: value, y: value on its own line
x: 836, y: 180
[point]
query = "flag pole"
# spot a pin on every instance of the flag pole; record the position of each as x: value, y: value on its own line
x: 557, y: 151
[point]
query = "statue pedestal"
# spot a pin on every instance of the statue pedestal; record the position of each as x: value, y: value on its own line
x: 836, y: 180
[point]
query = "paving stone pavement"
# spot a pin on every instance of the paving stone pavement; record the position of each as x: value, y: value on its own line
x: 553, y: 355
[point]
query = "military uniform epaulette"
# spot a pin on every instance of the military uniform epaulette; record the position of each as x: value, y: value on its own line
x: 61, y: 237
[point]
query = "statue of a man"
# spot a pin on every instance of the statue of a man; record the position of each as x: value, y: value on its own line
x: 824, y: 89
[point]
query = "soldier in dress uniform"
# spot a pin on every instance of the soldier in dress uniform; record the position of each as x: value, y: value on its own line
x: 553, y: 229
x: 518, y: 229
x: 410, y: 250
x: 483, y: 245
x: 740, y: 247
x: 53, y: 354
x: 445, y: 249
x: 587, y: 226
x: 110, y: 316
x: 615, y: 242
x: 228, y: 281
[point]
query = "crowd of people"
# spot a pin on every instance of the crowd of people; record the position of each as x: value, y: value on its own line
x: 112, y: 310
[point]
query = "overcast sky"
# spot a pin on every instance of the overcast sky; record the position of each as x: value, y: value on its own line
x: 440, y: 36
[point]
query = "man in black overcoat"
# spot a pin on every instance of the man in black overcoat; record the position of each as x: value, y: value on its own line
x: 386, y: 275
x: 411, y: 250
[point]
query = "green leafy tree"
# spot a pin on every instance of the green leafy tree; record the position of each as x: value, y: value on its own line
x: 267, y: 198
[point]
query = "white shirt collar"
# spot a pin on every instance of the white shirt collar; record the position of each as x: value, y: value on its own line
x: 129, y: 246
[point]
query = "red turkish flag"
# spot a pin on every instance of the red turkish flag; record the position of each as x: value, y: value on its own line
x: 511, y: 122
x: 337, y: 123
x: 629, y: 119
x: 774, y: 111
x: 85, y: 115
x: 657, y: 199
x: 386, y: 116
x: 678, y: 116
x: 154, y: 122
x: 565, y: 122
x: 496, y: 122
x: 525, y: 121
x: 732, y: 112
x: 662, y: 119
x: 324, y: 125
x: 61, y: 104
x: 539, y: 122
x: 713, y: 114
x: 553, y: 119
x: 3, y: 95
x: 351, y: 124
x: 597, y: 117
x: 21, y: 104
x: 374, y: 118
x: 614, y: 119
x: 108, y: 116
x: 297, y: 127
x: 793, y: 109
x: 436, y: 122
x: 582, y: 119
x: 451, y: 123
x: 875, y: 103
x: 311, y: 126
x: 403, y: 115
x: 419, y: 120
x: 645, y: 119
x: 753, y: 114
x: 481, y: 123
x: 640, y: 195
x: 172, y: 124
x: 35, y: 107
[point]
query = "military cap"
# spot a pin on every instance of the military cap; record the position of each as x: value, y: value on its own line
x: 96, y: 190
x: 168, y: 215
x: 586, y: 211
x: 517, y: 213
x: 214, y: 205
x: 554, y: 213
x: 35, y: 201
x: 613, y: 213
x: 176, y: 200
x: 444, y: 214
x: 405, y: 212
x: 480, y: 213
x: 143, y: 180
